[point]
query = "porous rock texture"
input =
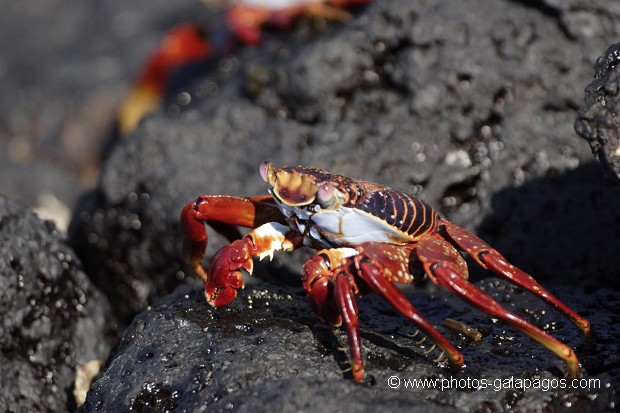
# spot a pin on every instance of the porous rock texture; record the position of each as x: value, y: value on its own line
x: 597, y: 121
x: 53, y: 319
x: 267, y: 351
x: 471, y: 110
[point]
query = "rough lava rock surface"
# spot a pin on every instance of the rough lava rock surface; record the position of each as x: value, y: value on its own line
x: 267, y: 351
x: 472, y: 111
x: 597, y: 121
x: 53, y: 319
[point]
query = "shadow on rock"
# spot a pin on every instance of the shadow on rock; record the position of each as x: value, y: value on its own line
x: 563, y: 228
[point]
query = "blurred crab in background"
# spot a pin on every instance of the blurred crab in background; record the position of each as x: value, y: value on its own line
x: 180, y: 46
x: 187, y: 43
x: 368, y: 238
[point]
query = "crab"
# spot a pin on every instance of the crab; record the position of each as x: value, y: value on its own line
x: 369, y: 237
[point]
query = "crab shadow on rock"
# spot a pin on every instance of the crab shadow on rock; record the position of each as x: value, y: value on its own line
x: 563, y: 228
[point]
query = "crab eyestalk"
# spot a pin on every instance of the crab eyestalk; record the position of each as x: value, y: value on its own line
x: 267, y: 173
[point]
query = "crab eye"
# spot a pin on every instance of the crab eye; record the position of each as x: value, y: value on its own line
x: 262, y: 169
x: 325, y: 195
x: 266, y: 172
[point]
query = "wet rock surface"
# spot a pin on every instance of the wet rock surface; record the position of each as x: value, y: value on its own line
x: 267, y: 351
x: 53, y: 319
x: 597, y: 121
x: 472, y: 111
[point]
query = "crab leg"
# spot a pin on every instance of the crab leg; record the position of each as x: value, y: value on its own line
x: 327, y: 282
x: 378, y: 282
x: 244, y: 21
x: 439, y: 260
x: 224, y: 276
x: 345, y: 299
x: 225, y: 212
x: 180, y: 46
x: 335, y: 265
x: 489, y: 258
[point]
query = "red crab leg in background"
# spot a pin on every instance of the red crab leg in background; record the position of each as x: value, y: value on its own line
x: 245, y: 22
x: 440, y: 261
x: 489, y: 258
x: 181, y: 45
x: 186, y: 43
x: 249, y: 212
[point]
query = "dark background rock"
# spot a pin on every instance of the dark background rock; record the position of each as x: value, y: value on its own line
x: 597, y: 121
x: 65, y: 66
x: 53, y: 319
x: 473, y: 111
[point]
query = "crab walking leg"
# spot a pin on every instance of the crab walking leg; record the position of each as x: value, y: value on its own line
x: 489, y: 258
x: 327, y: 282
x: 438, y: 257
x: 378, y: 282
x: 224, y: 276
x: 244, y: 21
x: 226, y: 212
x: 315, y: 10
x: 345, y: 299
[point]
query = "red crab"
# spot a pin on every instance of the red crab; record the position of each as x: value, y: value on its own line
x: 368, y: 237
x: 187, y: 43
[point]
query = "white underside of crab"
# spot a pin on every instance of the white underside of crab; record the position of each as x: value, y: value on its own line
x: 354, y: 226
x: 344, y: 226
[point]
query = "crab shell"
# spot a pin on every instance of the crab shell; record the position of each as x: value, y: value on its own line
x: 336, y: 211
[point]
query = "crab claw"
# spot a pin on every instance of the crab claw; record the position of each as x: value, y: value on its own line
x: 225, y: 272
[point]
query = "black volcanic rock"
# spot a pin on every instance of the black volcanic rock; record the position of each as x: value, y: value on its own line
x: 267, y: 351
x: 597, y: 121
x: 53, y: 319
